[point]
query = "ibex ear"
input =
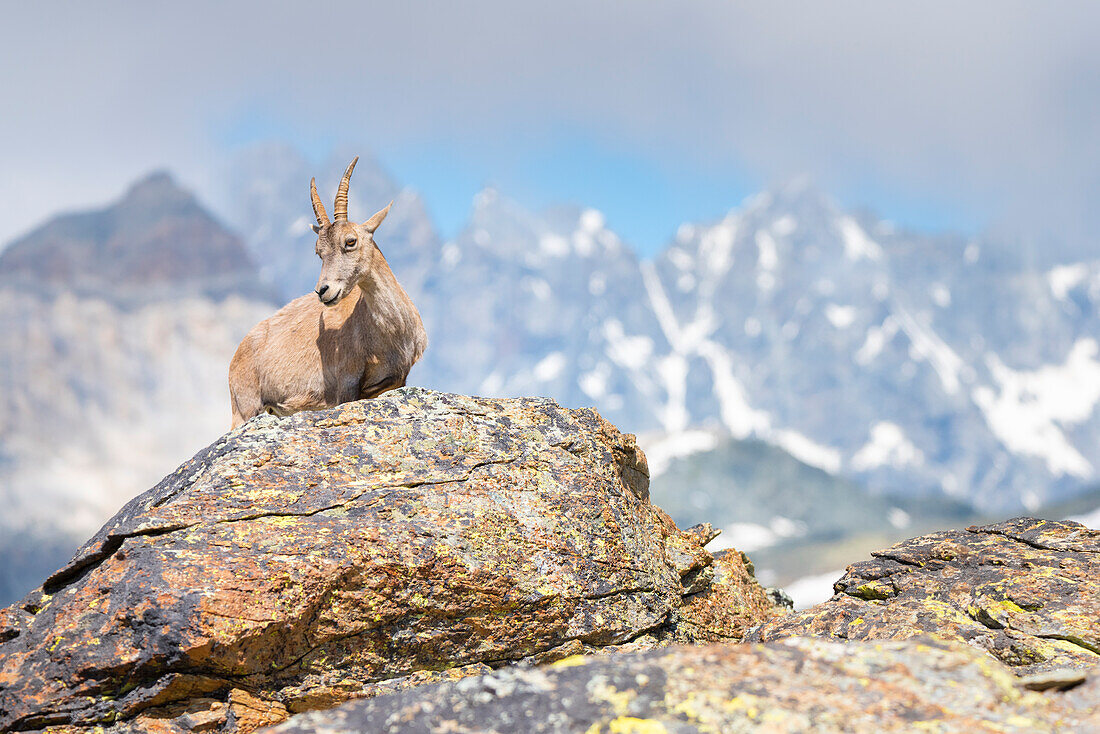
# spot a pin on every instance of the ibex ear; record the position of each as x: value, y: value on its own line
x: 316, y: 229
x: 374, y: 222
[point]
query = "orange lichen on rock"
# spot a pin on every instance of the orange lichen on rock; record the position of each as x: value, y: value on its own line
x: 300, y: 562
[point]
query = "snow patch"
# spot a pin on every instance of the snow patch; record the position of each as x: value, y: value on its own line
x: 1089, y: 519
x: 941, y: 295
x: 632, y: 352
x: 929, y: 347
x: 594, y: 383
x: 750, y: 536
x: 451, y: 255
x: 591, y: 221
x: 672, y: 370
x: 810, y: 590
x: 857, y: 245
x: 583, y: 243
x: 716, y: 247
x: 1024, y: 413
x: 840, y: 316
x: 808, y: 451
x: 769, y: 253
x: 736, y: 412
x: 662, y: 450
x: 877, y: 338
x: 554, y: 245
x: 887, y: 446
x: 485, y: 198
x: 679, y: 258
x: 550, y: 366
x: 1065, y: 278
x: 744, y: 536
x: 785, y: 225
x: 538, y: 287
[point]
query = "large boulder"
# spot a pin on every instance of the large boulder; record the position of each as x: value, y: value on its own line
x: 797, y: 685
x: 1027, y: 591
x: 299, y: 562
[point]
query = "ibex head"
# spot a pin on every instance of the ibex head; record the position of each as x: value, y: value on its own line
x: 346, y: 249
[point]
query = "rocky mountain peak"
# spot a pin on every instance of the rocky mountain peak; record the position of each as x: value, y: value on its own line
x: 155, y: 240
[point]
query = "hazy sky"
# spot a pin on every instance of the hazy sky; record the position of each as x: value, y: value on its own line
x: 936, y: 114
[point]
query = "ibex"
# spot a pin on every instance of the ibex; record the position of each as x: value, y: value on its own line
x: 356, y: 337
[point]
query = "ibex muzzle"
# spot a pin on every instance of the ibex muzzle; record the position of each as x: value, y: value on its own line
x: 346, y: 249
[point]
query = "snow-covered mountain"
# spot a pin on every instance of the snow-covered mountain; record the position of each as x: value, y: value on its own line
x: 914, y: 364
x: 908, y: 364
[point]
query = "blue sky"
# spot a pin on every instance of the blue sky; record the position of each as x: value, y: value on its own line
x: 935, y: 115
x: 644, y: 200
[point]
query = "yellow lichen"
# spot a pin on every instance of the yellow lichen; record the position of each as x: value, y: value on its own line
x: 570, y: 662
x: 631, y: 725
x: 618, y: 700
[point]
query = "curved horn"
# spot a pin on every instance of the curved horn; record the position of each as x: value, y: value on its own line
x: 340, y: 208
x: 318, y: 207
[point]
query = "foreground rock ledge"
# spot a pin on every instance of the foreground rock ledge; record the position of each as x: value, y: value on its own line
x: 797, y: 685
x: 1027, y: 591
x: 300, y: 562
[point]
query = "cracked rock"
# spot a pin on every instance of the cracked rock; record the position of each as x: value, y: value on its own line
x: 1026, y: 591
x: 300, y: 562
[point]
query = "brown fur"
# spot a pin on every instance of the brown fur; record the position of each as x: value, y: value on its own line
x: 315, y: 354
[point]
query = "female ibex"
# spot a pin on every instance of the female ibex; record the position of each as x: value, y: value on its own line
x: 356, y: 338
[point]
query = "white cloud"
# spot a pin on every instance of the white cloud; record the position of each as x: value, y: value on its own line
x: 857, y: 95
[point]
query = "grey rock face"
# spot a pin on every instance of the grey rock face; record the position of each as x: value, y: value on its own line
x: 797, y: 685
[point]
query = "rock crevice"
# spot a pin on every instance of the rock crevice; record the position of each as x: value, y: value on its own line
x: 299, y: 562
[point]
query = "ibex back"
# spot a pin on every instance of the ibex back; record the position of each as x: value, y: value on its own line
x: 356, y: 337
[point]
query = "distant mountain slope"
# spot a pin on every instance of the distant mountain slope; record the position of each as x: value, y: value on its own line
x: 157, y: 241
x: 112, y: 372
x: 762, y: 496
x: 912, y: 364
x: 539, y: 304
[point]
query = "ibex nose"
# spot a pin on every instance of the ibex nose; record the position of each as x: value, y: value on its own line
x: 322, y: 291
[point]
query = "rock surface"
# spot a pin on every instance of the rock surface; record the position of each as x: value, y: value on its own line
x: 796, y: 685
x: 300, y: 562
x: 1026, y: 590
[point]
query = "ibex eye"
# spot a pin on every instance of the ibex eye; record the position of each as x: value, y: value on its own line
x: 349, y: 243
